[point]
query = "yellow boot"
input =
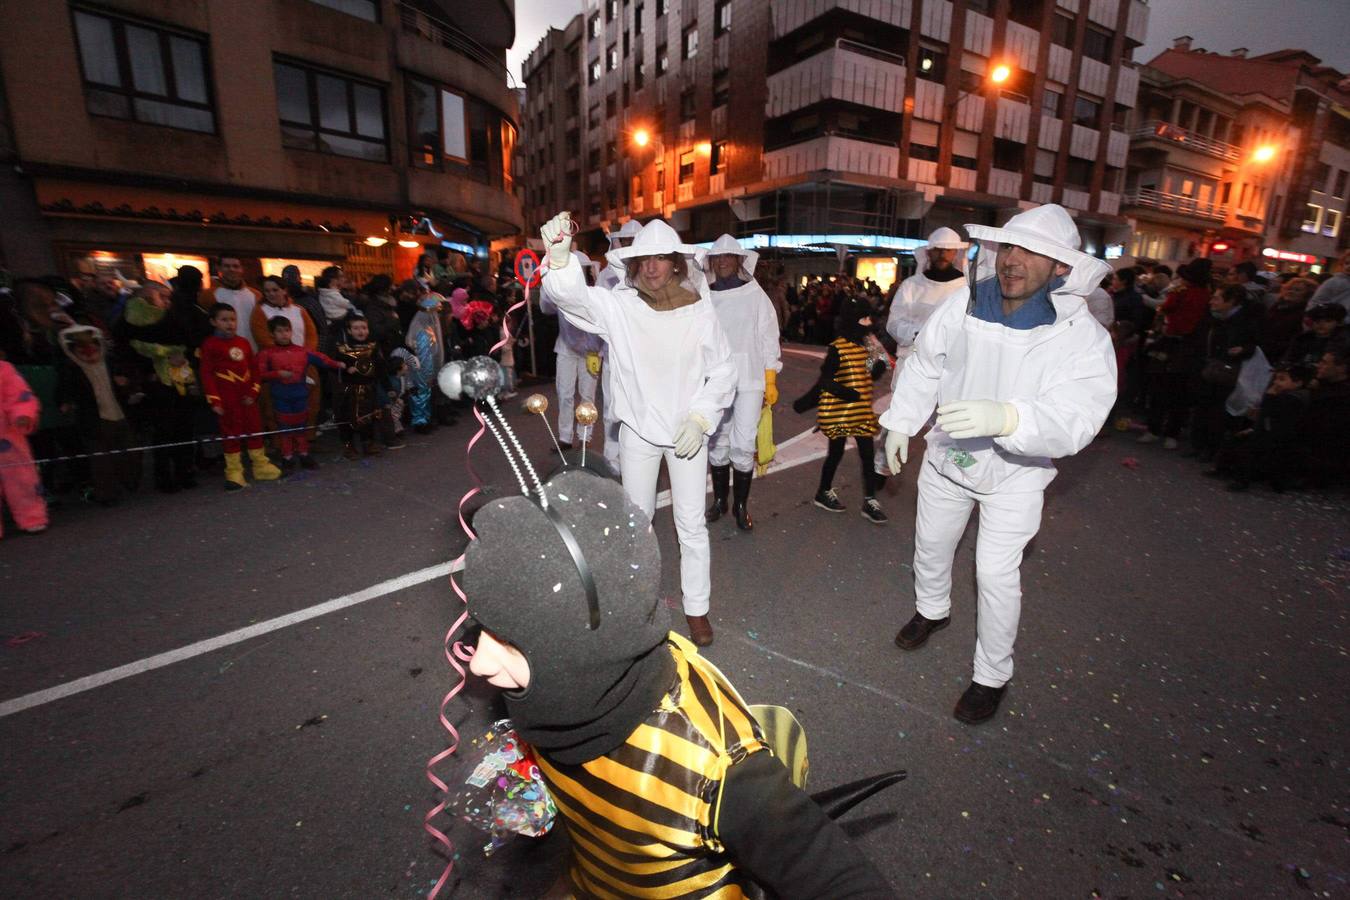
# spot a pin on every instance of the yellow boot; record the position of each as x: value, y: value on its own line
x: 234, y: 472
x: 263, y: 470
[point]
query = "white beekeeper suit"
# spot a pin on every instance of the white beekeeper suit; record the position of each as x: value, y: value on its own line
x: 672, y: 378
x: 917, y: 298
x: 1011, y: 395
x: 572, y: 348
x: 751, y: 326
x: 611, y: 277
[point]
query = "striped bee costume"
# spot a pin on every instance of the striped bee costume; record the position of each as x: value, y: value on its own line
x: 847, y: 365
x: 643, y: 818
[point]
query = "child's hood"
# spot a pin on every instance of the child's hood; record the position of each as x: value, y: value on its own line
x: 141, y: 312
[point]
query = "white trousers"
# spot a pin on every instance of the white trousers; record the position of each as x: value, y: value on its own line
x: 641, y: 464
x: 737, y: 434
x: 572, y: 379
x: 1007, y: 523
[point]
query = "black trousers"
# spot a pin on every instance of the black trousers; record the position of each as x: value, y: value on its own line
x: 836, y: 453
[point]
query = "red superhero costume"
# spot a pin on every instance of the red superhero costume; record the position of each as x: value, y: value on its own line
x: 290, y: 395
x: 227, y: 379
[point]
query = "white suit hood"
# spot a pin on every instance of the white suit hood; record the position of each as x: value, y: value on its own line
x: 628, y: 229
x: 728, y: 244
x: 658, y: 239
x: 945, y: 239
x: 1050, y: 231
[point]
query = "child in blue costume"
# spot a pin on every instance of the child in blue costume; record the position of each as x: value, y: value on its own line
x: 427, y: 342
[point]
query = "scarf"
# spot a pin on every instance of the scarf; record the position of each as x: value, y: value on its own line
x: 728, y: 284
x: 670, y: 297
x: 942, y: 276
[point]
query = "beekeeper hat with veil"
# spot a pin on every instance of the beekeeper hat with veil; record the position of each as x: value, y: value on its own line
x: 1047, y: 231
x: 658, y: 239
x: 943, y: 238
x: 727, y: 244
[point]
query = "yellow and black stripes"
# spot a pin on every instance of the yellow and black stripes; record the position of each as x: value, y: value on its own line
x: 848, y: 418
x: 643, y: 818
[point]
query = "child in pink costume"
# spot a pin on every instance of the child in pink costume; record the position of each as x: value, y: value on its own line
x: 20, y: 486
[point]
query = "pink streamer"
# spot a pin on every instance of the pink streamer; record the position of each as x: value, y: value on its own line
x: 456, y: 653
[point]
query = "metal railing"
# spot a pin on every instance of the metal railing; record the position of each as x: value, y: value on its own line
x: 421, y: 23
x: 1176, y: 203
x: 868, y: 50
x: 1156, y: 129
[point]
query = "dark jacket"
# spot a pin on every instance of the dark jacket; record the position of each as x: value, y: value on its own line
x: 1239, y: 331
x: 1282, y: 324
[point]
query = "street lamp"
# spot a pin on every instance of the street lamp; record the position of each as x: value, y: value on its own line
x: 641, y: 137
x: 1264, y: 153
x: 1000, y: 74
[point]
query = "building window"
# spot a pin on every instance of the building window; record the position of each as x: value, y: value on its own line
x: 1086, y: 111
x: 611, y: 58
x: 1338, y: 191
x: 611, y: 10
x: 721, y: 87
x: 970, y: 82
x: 923, y: 152
x: 1078, y: 174
x: 686, y: 167
x: 332, y: 113
x: 662, y: 61
x: 661, y: 6
x: 1312, y: 219
x: 1009, y: 155
x: 718, y: 162
x: 688, y: 105
x: 1331, y: 223
x: 1026, y: 12
x: 721, y: 17
x: 932, y: 65
x: 593, y: 31
x: 594, y: 74
x: 1052, y: 104
x: 593, y: 158
x: 1061, y: 31
x: 979, y: 6
x: 1097, y: 44
x: 134, y: 71
x: 362, y: 9
x: 452, y: 131
x: 964, y: 162
x: 611, y: 105
x: 637, y: 18
x: 660, y: 179
x: 627, y: 44
x: 689, y: 42
x: 593, y: 116
x: 1321, y: 174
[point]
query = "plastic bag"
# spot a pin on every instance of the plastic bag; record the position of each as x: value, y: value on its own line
x: 500, y: 789
x: 1253, y: 379
x: 765, y: 448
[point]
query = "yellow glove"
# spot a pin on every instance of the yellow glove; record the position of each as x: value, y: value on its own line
x: 593, y: 364
x: 770, y: 387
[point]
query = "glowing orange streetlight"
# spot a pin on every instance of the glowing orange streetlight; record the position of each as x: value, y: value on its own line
x: 641, y: 137
x: 1000, y: 74
x: 1264, y: 153
x: 704, y: 148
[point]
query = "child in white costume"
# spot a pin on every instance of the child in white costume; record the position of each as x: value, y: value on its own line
x: 747, y: 317
x: 578, y: 354
x: 1020, y: 374
x: 671, y: 374
x: 611, y: 277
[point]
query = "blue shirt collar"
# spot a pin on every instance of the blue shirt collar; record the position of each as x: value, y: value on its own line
x: 1038, y: 310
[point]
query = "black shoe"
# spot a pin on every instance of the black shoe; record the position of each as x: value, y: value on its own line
x: 424, y: 428
x: 829, y: 501
x: 288, y: 466
x: 978, y: 703
x: 872, y: 512
x: 721, y: 482
x: 740, y: 491
x: 308, y: 462
x: 917, y: 630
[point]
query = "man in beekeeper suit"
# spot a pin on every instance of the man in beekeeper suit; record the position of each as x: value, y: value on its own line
x: 672, y: 378
x: 578, y: 354
x: 918, y: 297
x: 1020, y: 374
x: 751, y: 326
x: 611, y: 277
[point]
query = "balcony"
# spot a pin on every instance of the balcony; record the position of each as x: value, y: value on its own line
x: 639, y: 204
x: 717, y: 183
x: 1076, y: 199
x: 1108, y: 202
x: 421, y: 23
x: 684, y: 192
x: 1117, y: 148
x: 835, y: 153
x: 1169, y: 135
x: 789, y: 15
x: 922, y: 171
x: 1175, y: 203
x: 961, y: 179
x: 1005, y: 183
x: 1012, y: 120
x: 854, y: 73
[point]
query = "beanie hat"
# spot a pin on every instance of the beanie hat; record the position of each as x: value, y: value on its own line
x: 851, y: 311
x: 589, y: 687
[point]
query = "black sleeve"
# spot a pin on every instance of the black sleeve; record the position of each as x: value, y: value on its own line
x: 827, y: 383
x: 781, y: 837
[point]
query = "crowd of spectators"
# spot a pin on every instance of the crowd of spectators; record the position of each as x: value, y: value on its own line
x: 116, y: 363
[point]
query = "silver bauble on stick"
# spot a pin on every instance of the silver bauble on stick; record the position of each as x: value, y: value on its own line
x: 481, y: 378
x: 450, y: 379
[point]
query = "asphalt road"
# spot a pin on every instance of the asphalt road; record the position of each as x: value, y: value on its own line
x: 1174, y: 727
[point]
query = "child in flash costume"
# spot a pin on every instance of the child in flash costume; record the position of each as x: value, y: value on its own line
x: 658, y: 769
x: 232, y: 392
x: 426, y: 340
x: 747, y: 317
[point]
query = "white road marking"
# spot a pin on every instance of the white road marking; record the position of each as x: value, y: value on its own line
x: 802, y: 448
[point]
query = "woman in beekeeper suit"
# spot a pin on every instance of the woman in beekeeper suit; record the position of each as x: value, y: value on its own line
x: 747, y: 317
x: 671, y: 374
x: 918, y: 297
x: 1020, y: 374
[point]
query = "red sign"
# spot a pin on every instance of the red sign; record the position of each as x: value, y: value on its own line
x: 527, y: 268
x: 1218, y: 248
x: 1290, y: 256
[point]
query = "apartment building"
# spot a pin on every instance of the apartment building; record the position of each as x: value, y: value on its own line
x: 856, y: 123
x: 1240, y: 157
x: 140, y: 135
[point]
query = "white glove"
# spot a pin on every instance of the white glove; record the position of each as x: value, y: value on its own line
x: 897, y: 451
x: 557, y: 235
x: 689, y: 436
x: 977, y: 418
